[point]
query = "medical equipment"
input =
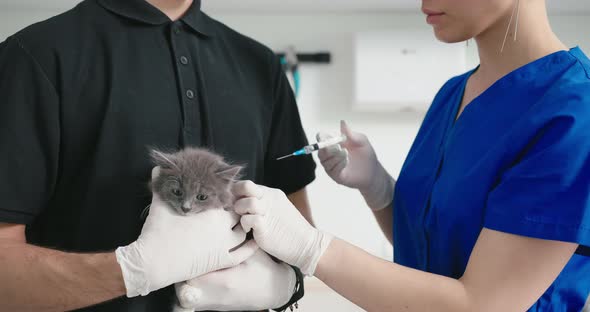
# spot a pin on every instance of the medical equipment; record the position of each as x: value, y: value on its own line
x: 291, y: 60
x: 290, y: 63
x: 316, y: 146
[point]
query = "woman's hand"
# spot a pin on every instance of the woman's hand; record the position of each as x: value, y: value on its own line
x: 354, y: 163
x: 278, y: 227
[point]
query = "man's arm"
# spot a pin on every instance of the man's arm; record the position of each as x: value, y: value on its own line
x: 300, y: 200
x: 40, y: 279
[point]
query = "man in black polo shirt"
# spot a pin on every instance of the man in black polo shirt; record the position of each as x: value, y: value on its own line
x: 83, y: 96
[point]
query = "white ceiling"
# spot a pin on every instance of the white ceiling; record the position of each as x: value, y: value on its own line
x: 285, y: 6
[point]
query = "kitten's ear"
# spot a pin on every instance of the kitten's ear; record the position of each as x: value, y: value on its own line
x: 229, y: 172
x: 163, y: 160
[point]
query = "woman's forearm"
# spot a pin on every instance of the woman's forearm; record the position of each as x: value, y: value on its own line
x: 505, y: 272
x: 40, y: 279
x: 384, y: 218
x: 377, y: 285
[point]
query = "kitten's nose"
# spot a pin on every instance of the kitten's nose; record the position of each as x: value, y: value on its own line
x: 186, y: 209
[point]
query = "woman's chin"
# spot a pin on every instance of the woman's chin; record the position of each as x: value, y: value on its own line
x: 449, y: 37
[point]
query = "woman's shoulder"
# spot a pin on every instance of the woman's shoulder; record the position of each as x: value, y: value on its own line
x: 582, y: 64
x: 563, y: 109
x: 570, y: 93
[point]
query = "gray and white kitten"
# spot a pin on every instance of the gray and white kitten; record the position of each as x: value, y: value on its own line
x: 194, y: 179
x: 190, y: 181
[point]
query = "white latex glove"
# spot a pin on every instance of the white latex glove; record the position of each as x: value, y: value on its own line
x: 173, y: 248
x: 258, y: 283
x: 353, y: 163
x: 278, y: 226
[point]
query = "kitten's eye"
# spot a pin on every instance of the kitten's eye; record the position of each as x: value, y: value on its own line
x: 177, y: 192
x: 202, y: 197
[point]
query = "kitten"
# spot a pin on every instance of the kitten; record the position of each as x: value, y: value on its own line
x: 190, y: 181
x: 194, y: 179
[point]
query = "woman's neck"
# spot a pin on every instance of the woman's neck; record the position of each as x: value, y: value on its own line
x: 534, y: 40
x: 174, y: 9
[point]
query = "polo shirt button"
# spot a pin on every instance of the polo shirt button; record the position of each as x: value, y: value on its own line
x: 190, y: 94
x: 183, y: 60
x: 176, y: 29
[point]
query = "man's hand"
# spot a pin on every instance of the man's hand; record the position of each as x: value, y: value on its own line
x: 256, y: 284
x: 173, y: 248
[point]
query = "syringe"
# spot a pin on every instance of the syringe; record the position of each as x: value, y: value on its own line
x: 316, y: 146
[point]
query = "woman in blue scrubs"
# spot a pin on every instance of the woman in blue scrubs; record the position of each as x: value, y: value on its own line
x: 491, y: 211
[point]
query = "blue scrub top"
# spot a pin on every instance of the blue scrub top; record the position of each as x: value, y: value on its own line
x: 517, y: 161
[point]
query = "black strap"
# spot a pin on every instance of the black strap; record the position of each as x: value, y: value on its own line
x: 299, y: 292
x: 583, y: 250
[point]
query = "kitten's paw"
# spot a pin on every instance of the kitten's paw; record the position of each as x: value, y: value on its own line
x: 188, y: 296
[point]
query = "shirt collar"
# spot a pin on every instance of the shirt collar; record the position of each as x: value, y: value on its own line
x: 142, y: 11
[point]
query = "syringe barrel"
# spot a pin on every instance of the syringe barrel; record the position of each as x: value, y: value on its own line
x: 331, y: 141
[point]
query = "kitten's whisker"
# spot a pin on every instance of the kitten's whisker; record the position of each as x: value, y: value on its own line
x: 145, y: 212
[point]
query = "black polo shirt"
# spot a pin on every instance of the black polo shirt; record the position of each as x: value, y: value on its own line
x: 83, y: 96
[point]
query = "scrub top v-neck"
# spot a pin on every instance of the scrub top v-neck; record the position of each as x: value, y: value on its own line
x: 516, y: 160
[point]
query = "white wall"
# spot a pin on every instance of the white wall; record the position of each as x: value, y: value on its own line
x: 326, y: 95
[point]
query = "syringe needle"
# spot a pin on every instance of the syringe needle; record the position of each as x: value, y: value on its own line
x: 286, y: 156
